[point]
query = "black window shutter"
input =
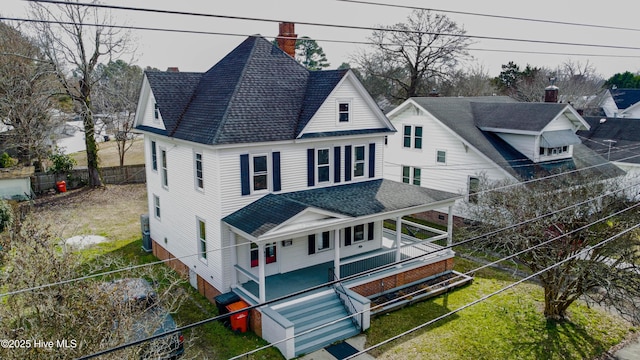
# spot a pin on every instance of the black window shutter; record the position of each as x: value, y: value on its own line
x: 372, y: 160
x: 244, y: 174
x: 347, y: 163
x: 336, y: 164
x: 312, y: 244
x: 347, y: 236
x: 277, y: 183
x: 311, y: 164
x: 370, y: 230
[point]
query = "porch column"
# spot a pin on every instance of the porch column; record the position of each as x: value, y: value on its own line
x: 398, y: 238
x: 234, y: 256
x: 450, y: 226
x: 262, y: 286
x: 336, y: 253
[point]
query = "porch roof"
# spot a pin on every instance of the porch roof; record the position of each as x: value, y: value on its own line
x: 350, y: 201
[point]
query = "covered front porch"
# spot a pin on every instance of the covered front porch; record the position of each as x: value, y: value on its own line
x: 372, y: 264
x: 287, y: 242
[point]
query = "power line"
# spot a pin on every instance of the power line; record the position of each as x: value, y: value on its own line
x: 450, y: 279
x: 545, y: 21
x: 352, y: 27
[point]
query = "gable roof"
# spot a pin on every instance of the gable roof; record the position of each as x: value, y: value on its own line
x: 256, y: 93
x: 351, y: 200
x: 625, y: 133
x: 464, y: 116
x: 625, y: 97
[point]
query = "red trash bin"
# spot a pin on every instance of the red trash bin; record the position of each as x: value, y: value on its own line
x: 61, y: 186
x: 239, y: 320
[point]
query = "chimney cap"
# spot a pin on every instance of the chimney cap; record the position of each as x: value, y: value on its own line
x: 173, y: 69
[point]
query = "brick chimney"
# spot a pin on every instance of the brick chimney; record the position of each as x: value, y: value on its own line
x: 551, y: 92
x: 287, y: 38
x: 173, y: 69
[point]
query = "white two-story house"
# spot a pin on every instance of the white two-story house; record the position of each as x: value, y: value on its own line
x: 265, y: 179
x: 451, y: 143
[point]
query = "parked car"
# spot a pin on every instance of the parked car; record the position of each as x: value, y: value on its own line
x: 137, y: 297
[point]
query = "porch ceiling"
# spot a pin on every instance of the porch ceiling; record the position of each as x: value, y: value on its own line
x: 364, y: 199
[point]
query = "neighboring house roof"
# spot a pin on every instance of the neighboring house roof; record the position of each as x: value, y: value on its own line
x: 625, y: 98
x: 476, y: 120
x: 256, y: 93
x: 624, y: 133
x: 350, y: 200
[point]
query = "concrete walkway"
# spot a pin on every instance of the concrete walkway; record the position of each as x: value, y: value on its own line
x: 356, y: 341
x: 630, y: 351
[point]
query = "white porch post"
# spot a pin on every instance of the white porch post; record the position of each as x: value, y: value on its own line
x: 450, y: 226
x: 234, y: 256
x: 336, y: 253
x: 262, y: 286
x: 398, y: 237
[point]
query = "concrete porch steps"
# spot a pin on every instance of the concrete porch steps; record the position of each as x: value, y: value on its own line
x: 316, y: 311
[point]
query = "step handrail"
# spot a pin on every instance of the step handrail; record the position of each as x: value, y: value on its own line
x: 351, y: 309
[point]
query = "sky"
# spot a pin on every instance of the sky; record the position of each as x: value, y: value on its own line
x: 198, y: 52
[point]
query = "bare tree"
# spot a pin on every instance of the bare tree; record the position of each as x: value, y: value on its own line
x: 117, y: 93
x: 75, y: 38
x: 474, y: 81
x: 568, y: 209
x: 82, y: 317
x: 26, y: 84
x: 414, y: 55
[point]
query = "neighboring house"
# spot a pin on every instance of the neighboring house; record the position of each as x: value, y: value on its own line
x: 264, y: 177
x: 616, y: 139
x: 450, y: 144
x: 15, y: 183
x: 623, y: 103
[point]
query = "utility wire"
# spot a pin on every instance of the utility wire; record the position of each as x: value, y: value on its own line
x: 545, y: 21
x: 417, y: 292
x: 352, y: 27
x: 582, y: 252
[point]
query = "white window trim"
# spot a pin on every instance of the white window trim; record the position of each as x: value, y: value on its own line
x: 154, y: 150
x: 319, y: 242
x: 365, y: 233
x: 156, y: 207
x: 156, y: 111
x: 252, y: 173
x: 164, y: 168
x: 412, y: 137
x: 317, y: 165
x: 412, y: 174
x: 195, y: 170
x: 349, y: 102
x: 445, y: 157
x: 201, y: 240
x: 365, y: 161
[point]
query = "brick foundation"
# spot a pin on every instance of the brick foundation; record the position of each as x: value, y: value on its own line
x: 162, y: 254
x: 393, y: 281
x: 438, y: 217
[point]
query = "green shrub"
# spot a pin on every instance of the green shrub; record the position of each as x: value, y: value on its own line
x: 61, y: 163
x: 6, y: 215
x: 7, y: 161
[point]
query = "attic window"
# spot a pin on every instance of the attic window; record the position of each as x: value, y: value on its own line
x: 344, y: 111
x: 156, y: 111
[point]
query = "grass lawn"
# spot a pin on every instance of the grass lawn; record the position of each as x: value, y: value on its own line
x: 108, y: 154
x: 509, y: 325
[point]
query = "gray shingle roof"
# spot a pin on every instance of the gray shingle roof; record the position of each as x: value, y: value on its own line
x: 516, y: 116
x: 466, y: 115
x: 352, y: 200
x: 624, y: 131
x: 256, y: 93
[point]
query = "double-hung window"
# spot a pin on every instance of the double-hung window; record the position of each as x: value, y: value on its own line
x: 198, y: 171
x: 359, y: 233
x: 412, y: 133
x: 324, y: 165
x: 156, y: 206
x: 164, y: 171
x: 411, y: 175
x: 358, y: 160
x: 156, y: 111
x: 154, y: 156
x: 344, y: 111
x: 202, y: 239
x: 259, y: 172
x: 441, y: 157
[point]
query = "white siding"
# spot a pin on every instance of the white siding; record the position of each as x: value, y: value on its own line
x: 461, y: 161
x: 525, y: 144
x: 361, y: 115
